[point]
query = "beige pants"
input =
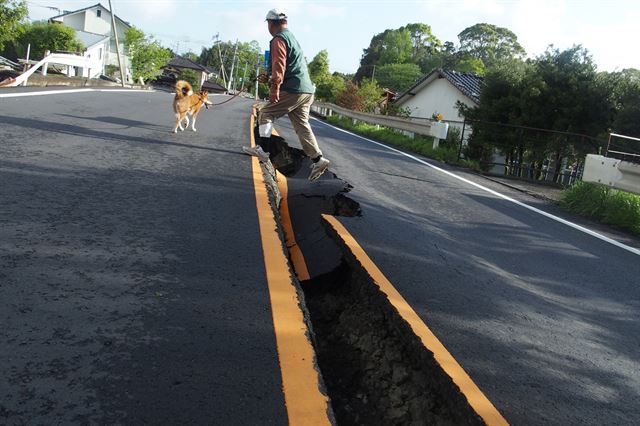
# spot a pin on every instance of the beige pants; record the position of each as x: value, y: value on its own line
x: 297, y: 106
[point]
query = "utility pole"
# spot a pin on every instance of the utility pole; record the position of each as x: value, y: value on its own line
x: 257, y: 74
x: 235, y: 51
x: 235, y: 77
x: 244, y: 76
x: 115, y: 33
x: 221, y: 70
x: 373, y: 74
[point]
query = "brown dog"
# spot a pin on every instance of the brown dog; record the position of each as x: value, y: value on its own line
x: 186, y: 103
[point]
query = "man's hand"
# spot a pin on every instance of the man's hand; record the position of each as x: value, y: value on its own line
x: 274, y: 95
x: 262, y: 78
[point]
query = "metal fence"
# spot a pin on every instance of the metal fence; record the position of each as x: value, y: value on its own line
x: 624, y: 148
x: 530, y: 153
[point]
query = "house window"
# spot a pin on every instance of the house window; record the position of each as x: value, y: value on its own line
x: 98, y: 13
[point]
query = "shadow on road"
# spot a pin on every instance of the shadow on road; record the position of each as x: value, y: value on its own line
x: 75, y: 130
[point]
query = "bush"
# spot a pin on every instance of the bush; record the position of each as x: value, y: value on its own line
x: 111, y: 70
x: 612, y: 207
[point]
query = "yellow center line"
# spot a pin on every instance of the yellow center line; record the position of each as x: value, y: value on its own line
x: 477, y: 400
x: 297, y: 258
x: 305, y: 402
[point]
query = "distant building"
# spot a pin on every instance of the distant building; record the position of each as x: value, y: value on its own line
x: 179, y: 63
x: 439, y: 91
x: 93, y: 29
x: 213, y: 87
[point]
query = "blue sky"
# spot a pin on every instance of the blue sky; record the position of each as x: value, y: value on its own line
x: 609, y: 29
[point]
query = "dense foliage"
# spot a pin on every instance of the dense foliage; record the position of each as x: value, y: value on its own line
x: 482, y: 46
x: 248, y: 57
x: 12, y: 14
x: 560, y: 91
x: 43, y: 36
x: 147, y: 55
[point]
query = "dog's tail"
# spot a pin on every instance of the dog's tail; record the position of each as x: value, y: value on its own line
x: 183, y: 88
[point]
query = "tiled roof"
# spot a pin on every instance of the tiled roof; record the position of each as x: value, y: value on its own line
x: 213, y: 87
x: 180, y: 62
x: 468, y: 83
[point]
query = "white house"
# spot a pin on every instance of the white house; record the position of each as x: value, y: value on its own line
x: 93, y: 29
x: 438, y: 92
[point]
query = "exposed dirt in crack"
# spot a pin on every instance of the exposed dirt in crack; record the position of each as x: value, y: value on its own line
x: 376, y: 370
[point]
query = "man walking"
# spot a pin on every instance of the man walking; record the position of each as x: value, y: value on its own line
x: 291, y: 92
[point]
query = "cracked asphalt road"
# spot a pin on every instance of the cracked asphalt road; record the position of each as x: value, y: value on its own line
x: 544, y: 318
x: 132, y: 284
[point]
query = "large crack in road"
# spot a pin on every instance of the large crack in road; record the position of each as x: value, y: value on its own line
x: 376, y: 370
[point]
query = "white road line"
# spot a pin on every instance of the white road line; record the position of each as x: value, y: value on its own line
x: 62, y: 92
x: 497, y: 194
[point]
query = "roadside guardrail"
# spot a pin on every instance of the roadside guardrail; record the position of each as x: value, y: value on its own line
x: 437, y: 130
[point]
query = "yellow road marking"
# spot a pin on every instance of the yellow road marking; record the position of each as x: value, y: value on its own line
x: 478, y: 401
x: 305, y: 403
x: 297, y: 258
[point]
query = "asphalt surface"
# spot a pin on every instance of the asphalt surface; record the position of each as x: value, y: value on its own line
x: 544, y: 318
x: 132, y: 284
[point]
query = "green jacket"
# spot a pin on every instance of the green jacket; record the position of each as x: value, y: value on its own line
x: 296, y: 74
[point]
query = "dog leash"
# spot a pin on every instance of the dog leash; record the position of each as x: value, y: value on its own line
x: 234, y: 96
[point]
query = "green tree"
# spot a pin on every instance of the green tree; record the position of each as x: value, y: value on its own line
x: 371, y: 94
x: 559, y: 90
x: 329, y: 88
x: 12, y: 13
x: 398, y: 77
x: 191, y: 56
x: 192, y: 77
x: 319, y: 67
x: 220, y: 57
x: 490, y: 43
x: 371, y: 56
x: 424, y: 44
x: 500, y: 102
x: 396, y: 47
x: 469, y: 64
x: 624, y: 89
x: 444, y: 56
x: 147, y: 55
x: 43, y: 36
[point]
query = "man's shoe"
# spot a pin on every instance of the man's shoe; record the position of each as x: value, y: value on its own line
x: 256, y: 151
x: 318, y: 168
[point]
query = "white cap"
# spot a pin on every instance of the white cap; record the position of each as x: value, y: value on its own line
x: 276, y: 15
